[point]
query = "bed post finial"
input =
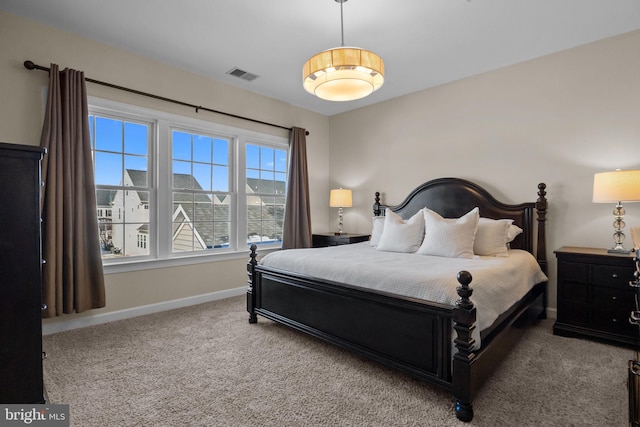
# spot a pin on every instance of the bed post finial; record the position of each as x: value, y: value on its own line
x: 464, y: 319
x: 541, y: 210
x: 377, y: 211
x: 251, y: 296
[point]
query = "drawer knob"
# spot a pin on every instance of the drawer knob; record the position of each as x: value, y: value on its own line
x: 614, y: 320
x: 614, y: 298
x: 614, y: 275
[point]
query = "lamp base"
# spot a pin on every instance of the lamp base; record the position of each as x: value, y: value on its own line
x: 620, y: 251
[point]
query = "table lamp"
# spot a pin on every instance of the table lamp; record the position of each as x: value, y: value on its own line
x: 340, y: 198
x: 616, y: 187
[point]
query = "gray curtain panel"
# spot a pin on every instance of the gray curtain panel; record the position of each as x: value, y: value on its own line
x: 72, y: 276
x: 297, y: 216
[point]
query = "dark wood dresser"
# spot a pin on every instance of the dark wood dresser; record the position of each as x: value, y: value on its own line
x: 20, y: 269
x: 331, y: 239
x: 594, y: 296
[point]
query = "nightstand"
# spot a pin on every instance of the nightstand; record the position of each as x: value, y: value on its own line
x: 331, y: 239
x: 594, y: 296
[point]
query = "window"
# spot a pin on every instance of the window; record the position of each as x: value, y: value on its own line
x: 266, y: 170
x: 201, y: 195
x: 121, y: 164
x: 172, y: 187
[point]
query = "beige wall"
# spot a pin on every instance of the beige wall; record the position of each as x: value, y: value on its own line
x: 21, y: 122
x: 557, y: 119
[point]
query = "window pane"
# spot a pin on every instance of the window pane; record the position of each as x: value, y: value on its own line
x: 202, y: 176
x: 182, y: 207
x: 203, y: 208
x: 202, y: 148
x: 137, y: 236
x: 279, y: 209
x: 181, y: 144
x: 266, y: 182
x: 281, y: 183
x: 203, y: 238
x: 221, y: 211
x: 135, y: 139
x: 253, y: 156
x: 266, y: 158
x: 220, y: 178
x: 136, y: 169
x: 182, y: 175
x: 221, y: 232
x: 108, y: 169
x: 281, y: 161
x: 108, y: 134
x: 221, y: 151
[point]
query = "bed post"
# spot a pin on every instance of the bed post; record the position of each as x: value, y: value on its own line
x: 464, y: 319
x: 541, y: 210
x: 377, y: 211
x: 251, y: 296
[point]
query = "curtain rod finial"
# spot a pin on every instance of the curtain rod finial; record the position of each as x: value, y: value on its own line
x: 29, y: 65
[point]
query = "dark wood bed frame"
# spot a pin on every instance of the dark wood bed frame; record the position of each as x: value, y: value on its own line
x: 405, y: 333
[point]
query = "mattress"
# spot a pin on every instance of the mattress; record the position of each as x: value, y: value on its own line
x: 498, y: 282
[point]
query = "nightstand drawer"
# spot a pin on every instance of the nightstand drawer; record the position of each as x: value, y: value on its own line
x: 574, y: 293
x: 611, y: 310
x: 612, y: 275
x: 573, y: 271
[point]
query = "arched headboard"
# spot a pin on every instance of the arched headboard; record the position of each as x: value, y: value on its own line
x: 453, y: 197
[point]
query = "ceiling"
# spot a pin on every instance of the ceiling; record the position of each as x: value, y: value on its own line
x: 424, y: 43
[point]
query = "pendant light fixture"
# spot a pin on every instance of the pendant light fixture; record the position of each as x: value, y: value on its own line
x: 343, y: 73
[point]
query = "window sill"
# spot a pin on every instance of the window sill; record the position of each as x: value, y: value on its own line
x: 150, y: 264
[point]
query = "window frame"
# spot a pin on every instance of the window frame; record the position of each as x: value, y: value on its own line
x: 160, y: 183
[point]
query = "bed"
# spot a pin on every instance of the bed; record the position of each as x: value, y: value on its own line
x: 437, y: 342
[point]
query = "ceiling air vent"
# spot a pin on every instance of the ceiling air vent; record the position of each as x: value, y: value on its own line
x: 237, y: 72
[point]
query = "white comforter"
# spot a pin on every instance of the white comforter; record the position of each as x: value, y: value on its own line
x: 498, y: 282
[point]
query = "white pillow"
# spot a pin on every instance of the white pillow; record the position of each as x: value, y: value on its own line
x: 399, y: 235
x: 492, y: 237
x: 376, y: 230
x: 513, y: 232
x: 451, y: 238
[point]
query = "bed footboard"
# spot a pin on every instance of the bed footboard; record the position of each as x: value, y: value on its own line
x: 375, y: 325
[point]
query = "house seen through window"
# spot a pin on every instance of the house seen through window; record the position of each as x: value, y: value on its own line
x: 166, y: 189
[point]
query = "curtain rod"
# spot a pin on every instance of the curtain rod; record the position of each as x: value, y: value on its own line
x: 29, y: 65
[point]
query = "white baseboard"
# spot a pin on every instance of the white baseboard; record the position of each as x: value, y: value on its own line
x: 82, y: 322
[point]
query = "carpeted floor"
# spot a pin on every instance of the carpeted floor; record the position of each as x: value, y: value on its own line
x: 207, y: 366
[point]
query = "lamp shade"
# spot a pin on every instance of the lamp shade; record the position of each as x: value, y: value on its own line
x: 616, y: 186
x: 343, y: 74
x: 340, y: 198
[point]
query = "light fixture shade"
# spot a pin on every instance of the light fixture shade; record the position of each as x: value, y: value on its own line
x: 343, y: 74
x: 616, y: 186
x: 340, y: 198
